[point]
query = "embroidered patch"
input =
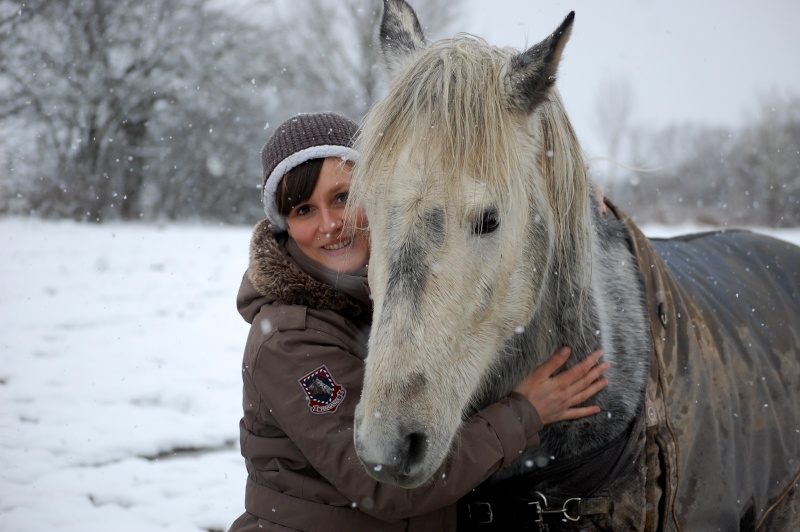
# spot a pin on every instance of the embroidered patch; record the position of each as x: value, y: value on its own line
x: 324, y: 395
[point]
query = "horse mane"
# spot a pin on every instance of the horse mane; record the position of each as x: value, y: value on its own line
x: 571, y: 198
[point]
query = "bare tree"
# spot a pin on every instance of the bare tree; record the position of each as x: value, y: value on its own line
x: 128, y: 109
x: 101, y: 81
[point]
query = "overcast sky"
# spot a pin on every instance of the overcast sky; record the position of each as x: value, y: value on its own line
x: 685, y: 60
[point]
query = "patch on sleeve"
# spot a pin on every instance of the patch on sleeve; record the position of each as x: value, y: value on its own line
x: 324, y: 395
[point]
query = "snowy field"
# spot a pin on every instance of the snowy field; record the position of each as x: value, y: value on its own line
x: 120, y: 351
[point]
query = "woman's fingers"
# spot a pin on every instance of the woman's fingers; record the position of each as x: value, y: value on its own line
x: 595, y: 373
x: 584, y: 369
x: 553, y: 363
x: 587, y: 363
x: 576, y: 413
x: 555, y: 396
x: 584, y: 380
x: 589, y: 391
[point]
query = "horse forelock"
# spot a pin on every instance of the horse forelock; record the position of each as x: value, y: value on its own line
x: 447, y: 106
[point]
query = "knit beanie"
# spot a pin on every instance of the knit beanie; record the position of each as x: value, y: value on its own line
x: 302, y: 138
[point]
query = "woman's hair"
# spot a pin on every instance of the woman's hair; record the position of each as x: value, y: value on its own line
x: 297, y: 185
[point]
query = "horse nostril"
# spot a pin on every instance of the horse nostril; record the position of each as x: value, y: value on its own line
x: 417, y: 444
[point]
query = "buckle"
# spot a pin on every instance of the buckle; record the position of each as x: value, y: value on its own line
x: 542, y: 507
x: 480, y: 512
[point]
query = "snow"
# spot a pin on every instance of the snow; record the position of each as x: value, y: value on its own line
x: 120, y: 387
x: 120, y: 352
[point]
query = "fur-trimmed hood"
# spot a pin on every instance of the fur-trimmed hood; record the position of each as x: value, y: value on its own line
x: 274, y: 276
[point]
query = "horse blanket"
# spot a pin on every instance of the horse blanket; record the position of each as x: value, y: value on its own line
x: 717, y: 446
x: 724, y: 399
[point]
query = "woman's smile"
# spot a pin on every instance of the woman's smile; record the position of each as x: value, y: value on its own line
x: 338, y: 246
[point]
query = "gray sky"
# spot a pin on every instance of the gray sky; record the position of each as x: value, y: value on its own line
x: 705, y: 61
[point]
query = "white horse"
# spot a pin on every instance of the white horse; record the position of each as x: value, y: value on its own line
x: 489, y: 253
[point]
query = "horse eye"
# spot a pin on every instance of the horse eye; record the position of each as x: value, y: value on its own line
x: 488, y: 222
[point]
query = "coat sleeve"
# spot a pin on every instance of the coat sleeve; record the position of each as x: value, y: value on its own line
x: 489, y: 441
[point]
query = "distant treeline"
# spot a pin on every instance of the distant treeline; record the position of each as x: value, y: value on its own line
x: 156, y: 110
x: 744, y: 176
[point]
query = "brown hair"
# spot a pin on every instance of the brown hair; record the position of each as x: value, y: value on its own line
x: 297, y: 185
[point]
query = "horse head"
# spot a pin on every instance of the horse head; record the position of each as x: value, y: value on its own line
x: 468, y: 222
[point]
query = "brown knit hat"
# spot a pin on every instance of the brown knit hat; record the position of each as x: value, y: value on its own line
x: 302, y: 138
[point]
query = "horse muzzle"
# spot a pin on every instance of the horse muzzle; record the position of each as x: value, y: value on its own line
x: 393, y: 453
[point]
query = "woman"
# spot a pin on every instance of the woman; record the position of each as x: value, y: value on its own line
x: 306, y: 295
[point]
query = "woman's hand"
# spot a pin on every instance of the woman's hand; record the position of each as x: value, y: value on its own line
x: 555, y: 397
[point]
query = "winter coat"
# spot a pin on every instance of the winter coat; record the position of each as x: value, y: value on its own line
x: 303, y: 371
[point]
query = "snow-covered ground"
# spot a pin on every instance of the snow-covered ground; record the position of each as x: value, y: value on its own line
x: 120, y: 351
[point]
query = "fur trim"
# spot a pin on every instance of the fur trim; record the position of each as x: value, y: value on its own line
x: 274, y: 276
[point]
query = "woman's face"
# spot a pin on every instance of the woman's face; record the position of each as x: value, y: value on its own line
x: 316, y: 224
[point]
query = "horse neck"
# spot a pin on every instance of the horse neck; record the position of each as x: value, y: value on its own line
x: 601, y: 306
x: 604, y: 309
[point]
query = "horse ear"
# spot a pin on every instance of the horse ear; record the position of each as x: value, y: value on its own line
x: 532, y: 73
x: 400, y: 34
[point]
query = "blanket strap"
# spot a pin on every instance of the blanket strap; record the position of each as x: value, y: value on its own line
x: 533, y: 514
x: 571, y: 509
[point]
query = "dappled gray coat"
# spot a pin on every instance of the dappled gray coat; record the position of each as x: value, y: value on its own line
x: 718, y: 445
